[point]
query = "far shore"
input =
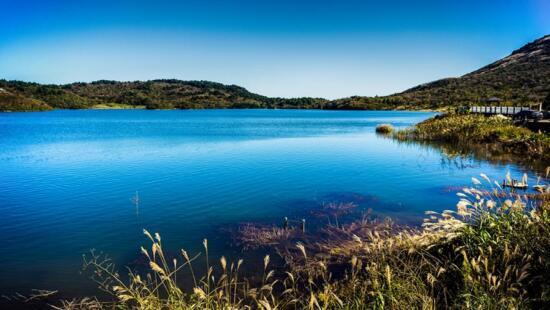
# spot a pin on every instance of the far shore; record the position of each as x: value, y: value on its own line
x: 118, y: 106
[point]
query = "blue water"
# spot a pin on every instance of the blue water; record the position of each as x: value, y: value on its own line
x: 67, y: 179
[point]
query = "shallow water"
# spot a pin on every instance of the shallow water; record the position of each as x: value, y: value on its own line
x: 67, y: 179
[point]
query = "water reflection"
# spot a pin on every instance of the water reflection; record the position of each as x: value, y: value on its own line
x: 467, y: 155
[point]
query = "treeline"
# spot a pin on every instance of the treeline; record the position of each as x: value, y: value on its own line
x: 519, y: 79
x: 155, y: 94
x: 175, y: 94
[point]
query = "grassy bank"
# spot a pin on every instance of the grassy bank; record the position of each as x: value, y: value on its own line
x: 492, y: 252
x: 116, y: 106
x: 496, y: 134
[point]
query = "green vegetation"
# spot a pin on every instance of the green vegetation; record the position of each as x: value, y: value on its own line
x: 519, y: 79
x: 384, y: 129
x: 156, y: 94
x: 497, y: 134
x: 15, y: 102
x: 491, y: 253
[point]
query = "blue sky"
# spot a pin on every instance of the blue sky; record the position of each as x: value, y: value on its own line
x: 280, y: 48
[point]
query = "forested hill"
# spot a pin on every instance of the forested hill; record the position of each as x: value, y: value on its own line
x: 523, y: 76
x: 155, y: 94
x: 520, y: 78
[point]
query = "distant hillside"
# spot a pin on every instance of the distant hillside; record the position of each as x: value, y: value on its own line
x: 155, y: 94
x: 522, y: 77
x: 15, y: 102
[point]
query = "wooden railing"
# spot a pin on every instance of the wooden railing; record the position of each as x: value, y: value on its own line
x: 497, y: 110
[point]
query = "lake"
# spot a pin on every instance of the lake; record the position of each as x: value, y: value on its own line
x: 68, y: 178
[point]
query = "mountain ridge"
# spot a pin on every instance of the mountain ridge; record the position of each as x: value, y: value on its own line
x: 523, y: 77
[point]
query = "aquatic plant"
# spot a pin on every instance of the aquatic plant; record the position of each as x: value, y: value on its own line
x: 253, y: 236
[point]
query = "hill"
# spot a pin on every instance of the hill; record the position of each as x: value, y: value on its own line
x: 521, y: 78
x: 154, y: 94
x: 15, y: 102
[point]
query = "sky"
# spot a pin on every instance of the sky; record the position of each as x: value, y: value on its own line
x: 283, y: 48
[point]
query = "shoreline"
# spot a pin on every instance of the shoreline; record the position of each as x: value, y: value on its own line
x: 489, y: 138
x: 128, y: 107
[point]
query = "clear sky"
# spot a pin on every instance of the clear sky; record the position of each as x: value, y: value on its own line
x: 280, y: 48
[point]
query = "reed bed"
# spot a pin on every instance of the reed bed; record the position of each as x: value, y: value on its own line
x: 496, y: 133
x: 491, y: 251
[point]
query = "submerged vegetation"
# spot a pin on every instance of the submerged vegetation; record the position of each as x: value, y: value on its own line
x: 495, y: 134
x: 492, y: 252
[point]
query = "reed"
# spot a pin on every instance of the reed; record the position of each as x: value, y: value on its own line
x: 496, y: 133
x: 490, y: 252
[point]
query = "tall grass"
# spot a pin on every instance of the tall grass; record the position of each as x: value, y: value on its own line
x: 491, y: 252
x: 496, y: 133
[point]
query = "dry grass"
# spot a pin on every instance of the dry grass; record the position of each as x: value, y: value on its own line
x: 491, y: 252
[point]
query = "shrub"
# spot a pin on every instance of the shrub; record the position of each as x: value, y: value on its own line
x: 384, y: 129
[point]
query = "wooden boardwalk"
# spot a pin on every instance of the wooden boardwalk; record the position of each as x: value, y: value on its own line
x: 497, y: 110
